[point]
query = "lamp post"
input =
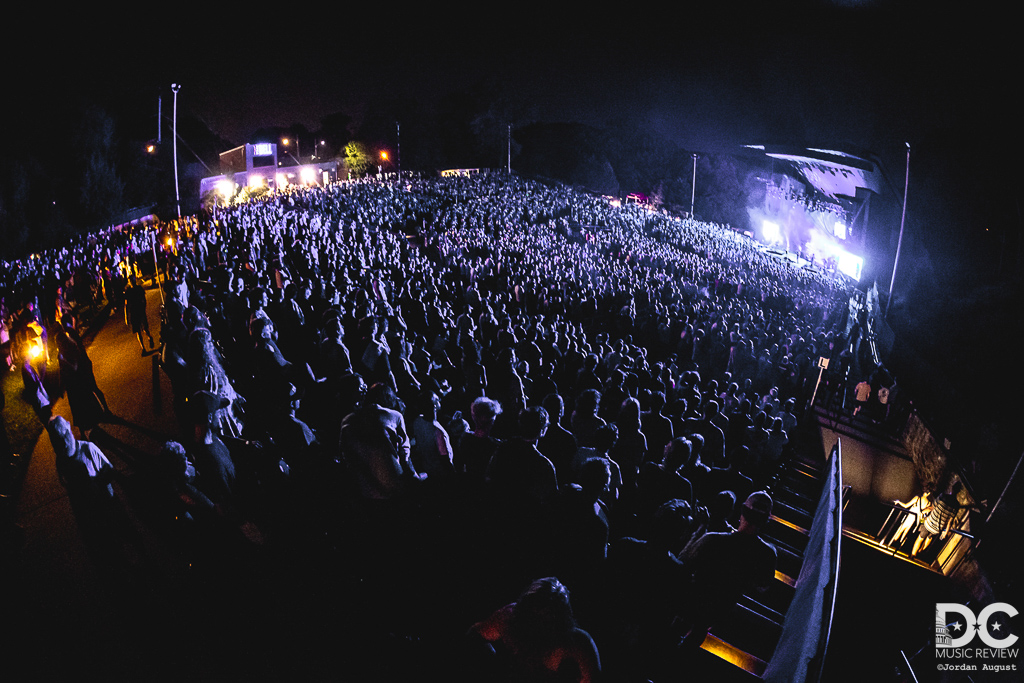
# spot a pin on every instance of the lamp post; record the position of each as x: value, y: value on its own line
x: 298, y: 150
x: 899, y: 242
x: 174, y: 134
x: 398, y: 150
x: 693, y: 188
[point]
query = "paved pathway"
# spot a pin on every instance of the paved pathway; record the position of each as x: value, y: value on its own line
x: 78, y: 613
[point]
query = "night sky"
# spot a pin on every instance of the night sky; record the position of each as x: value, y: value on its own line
x: 871, y: 73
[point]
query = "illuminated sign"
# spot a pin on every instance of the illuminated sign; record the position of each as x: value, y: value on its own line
x: 263, y: 149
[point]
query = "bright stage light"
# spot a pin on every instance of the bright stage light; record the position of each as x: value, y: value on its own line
x: 771, y: 233
x: 256, y: 181
x: 840, y: 230
x: 850, y: 264
x: 308, y: 175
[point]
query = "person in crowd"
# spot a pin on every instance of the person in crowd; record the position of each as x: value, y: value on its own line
x: 135, y: 312
x: 861, y: 395
x: 212, y: 454
x: 657, y: 427
x: 518, y: 471
x: 713, y: 452
x: 88, y: 403
x: 375, y: 446
x: 183, y: 482
x: 88, y: 475
x: 939, y: 519
x: 724, y: 565
x: 535, y: 638
x: 498, y: 298
x: 582, y: 525
x: 645, y: 591
x: 558, y: 444
x: 630, y: 449
x: 82, y: 468
x: 585, y: 420
x: 431, y: 448
x: 604, y: 441
x: 477, y: 447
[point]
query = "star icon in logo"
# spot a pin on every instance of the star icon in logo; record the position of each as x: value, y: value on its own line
x: 957, y: 626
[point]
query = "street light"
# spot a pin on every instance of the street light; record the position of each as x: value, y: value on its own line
x: 298, y: 151
x: 899, y: 243
x: 177, y: 196
x: 693, y: 189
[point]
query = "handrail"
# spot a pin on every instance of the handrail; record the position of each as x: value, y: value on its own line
x: 889, y: 523
x: 837, y: 457
x: 910, y: 669
x: 800, y: 653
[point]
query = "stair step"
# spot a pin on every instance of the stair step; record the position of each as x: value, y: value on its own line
x: 786, y: 534
x: 789, y: 562
x: 779, y: 594
x: 743, y: 665
x: 753, y: 633
x: 794, y: 515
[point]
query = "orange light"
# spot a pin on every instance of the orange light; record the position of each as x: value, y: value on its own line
x: 384, y: 156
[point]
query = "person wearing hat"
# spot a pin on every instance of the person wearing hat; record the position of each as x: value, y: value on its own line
x: 723, y: 566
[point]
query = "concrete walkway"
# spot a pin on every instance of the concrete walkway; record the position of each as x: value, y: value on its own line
x: 80, y: 613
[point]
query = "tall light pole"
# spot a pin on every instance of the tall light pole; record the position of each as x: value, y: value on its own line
x: 174, y: 133
x: 510, y: 149
x: 298, y: 150
x: 899, y: 242
x: 693, y: 188
x: 398, y: 149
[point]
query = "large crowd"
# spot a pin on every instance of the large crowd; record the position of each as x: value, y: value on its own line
x: 456, y: 388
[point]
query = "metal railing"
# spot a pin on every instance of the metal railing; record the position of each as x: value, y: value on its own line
x: 800, y: 653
